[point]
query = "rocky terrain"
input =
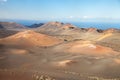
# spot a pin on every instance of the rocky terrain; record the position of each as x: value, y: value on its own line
x: 58, y: 51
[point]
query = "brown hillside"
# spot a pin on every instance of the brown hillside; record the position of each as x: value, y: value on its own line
x: 86, y: 47
x: 30, y: 38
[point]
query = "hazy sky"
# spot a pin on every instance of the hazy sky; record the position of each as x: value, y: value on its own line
x: 75, y: 10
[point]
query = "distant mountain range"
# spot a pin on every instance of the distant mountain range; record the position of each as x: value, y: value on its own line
x: 11, y: 25
x: 48, y: 26
x: 54, y: 29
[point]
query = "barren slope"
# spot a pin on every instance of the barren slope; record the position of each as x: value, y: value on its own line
x: 87, y: 48
x: 30, y: 38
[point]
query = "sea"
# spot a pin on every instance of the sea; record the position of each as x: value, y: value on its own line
x: 99, y: 25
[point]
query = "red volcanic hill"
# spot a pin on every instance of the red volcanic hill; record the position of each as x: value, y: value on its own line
x: 57, y: 28
x: 30, y: 38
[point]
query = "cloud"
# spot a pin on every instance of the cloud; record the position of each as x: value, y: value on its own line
x: 70, y: 16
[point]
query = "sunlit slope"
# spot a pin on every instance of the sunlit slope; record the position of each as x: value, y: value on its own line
x: 30, y: 38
